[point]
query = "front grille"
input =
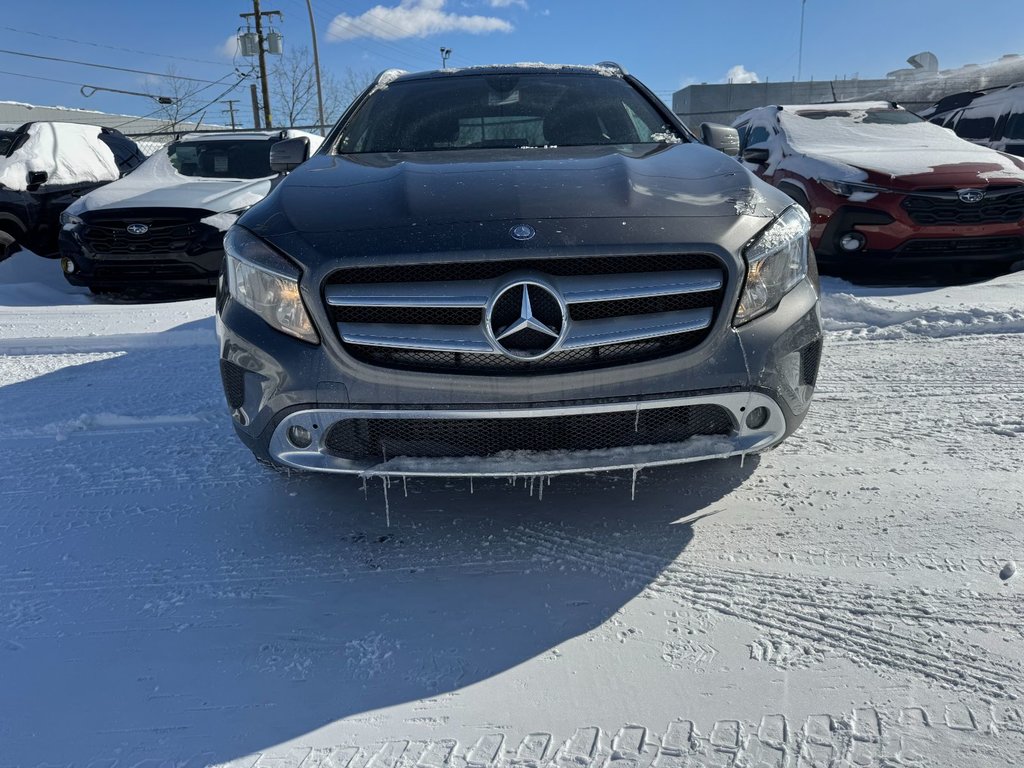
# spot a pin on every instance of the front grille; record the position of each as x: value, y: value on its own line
x: 432, y: 317
x: 384, y: 439
x: 111, y: 236
x: 1000, y: 205
x: 233, y: 377
x: 962, y: 246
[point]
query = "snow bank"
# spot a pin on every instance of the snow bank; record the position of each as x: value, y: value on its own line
x: 993, y: 307
x: 68, y: 153
x: 28, y: 280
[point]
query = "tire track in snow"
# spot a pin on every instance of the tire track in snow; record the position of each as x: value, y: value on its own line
x: 866, y: 737
x: 820, y: 612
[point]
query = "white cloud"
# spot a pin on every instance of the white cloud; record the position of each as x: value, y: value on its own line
x: 411, y: 18
x: 740, y: 74
x: 229, y: 47
x: 507, y: 3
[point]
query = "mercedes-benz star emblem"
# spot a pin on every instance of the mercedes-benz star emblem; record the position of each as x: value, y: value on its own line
x: 526, y: 320
x: 971, y: 195
x: 522, y: 232
x: 138, y: 229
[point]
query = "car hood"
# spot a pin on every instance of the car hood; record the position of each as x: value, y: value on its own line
x: 211, y: 195
x: 913, y: 167
x: 349, y: 193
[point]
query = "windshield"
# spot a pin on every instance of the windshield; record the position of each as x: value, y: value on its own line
x: 503, y: 111
x: 222, y: 158
x: 835, y: 132
x: 864, y: 116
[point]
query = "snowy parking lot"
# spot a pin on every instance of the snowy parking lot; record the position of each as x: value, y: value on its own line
x: 844, y: 600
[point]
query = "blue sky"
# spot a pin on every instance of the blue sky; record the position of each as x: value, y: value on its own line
x: 667, y: 44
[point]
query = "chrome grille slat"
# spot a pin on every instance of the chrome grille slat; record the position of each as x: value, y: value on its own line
x: 590, y: 288
x: 475, y: 293
x: 434, y: 338
x: 622, y: 330
x: 465, y: 293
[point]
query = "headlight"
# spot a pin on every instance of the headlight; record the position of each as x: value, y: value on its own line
x: 69, y: 219
x: 262, y: 280
x: 850, y: 188
x: 776, y: 261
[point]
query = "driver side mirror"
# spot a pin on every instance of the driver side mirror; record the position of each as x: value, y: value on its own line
x: 8, y: 245
x: 758, y: 155
x: 36, y: 179
x: 287, y: 155
x: 721, y: 137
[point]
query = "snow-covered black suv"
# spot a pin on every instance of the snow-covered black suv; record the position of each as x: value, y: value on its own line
x: 45, y: 167
x: 515, y: 269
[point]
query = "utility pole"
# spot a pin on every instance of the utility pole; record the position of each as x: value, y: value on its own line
x: 255, y: 106
x: 230, y: 110
x: 800, y: 56
x: 445, y: 53
x: 316, y: 69
x: 257, y: 17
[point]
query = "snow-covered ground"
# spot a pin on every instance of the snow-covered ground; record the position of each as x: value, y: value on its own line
x: 836, y: 602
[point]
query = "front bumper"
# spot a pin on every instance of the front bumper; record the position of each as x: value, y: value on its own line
x: 892, y: 238
x: 274, y: 382
x: 196, y: 267
x: 741, y: 439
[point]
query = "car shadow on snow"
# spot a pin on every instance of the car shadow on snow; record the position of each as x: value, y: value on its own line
x: 165, y: 597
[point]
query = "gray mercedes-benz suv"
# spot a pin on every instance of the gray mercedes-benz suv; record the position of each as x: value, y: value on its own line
x: 515, y: 270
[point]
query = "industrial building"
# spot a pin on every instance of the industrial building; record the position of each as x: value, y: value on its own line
x: 916, y: 87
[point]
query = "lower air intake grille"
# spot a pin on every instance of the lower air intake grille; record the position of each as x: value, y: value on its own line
x: 233, y: 377
x: 810, y: 358
x: 383, y: 439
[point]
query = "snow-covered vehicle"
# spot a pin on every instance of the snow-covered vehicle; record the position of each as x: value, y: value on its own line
x: 164, y: 224
x: 515, y: 269
x: 993, y: 119
x: 882, y: 185
x: 45, y: 167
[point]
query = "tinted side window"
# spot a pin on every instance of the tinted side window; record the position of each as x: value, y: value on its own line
x: 758, y: 135
x: 974, y: 127
x: 127, y: 154
x: 1014, y: 127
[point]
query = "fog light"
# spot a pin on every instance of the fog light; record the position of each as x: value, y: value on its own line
x: 852, y: 241
x: 758, y: 417
x: 299, y: 437
x: 67, y: 265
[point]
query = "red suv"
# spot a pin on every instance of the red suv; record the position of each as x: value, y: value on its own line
x: 880, y: 183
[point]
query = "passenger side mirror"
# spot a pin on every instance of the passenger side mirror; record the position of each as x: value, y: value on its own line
x: 757, y: 155
x: 721, y: 137
x: 287, y: 155
x: 36, y: 179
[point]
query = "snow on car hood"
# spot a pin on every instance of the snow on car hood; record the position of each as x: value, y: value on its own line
x: 68, y: 153
x: 909, y: 149
x: 156, y: 184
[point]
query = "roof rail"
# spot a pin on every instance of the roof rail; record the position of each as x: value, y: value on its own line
x: 614, y: 66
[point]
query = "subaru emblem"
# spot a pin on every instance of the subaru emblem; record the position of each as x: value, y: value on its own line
x: 523, y: 232
x: 138, y: 229
x: 971, y: 195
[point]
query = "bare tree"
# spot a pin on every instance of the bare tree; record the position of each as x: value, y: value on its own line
x: 185, y: 98
x: 293, y: 89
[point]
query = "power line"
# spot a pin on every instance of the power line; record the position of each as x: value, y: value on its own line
x: 200, y: 90
x: 103, y: 66
x: 111, y: 47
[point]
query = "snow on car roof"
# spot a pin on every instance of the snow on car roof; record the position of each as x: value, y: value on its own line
x: 838, y: 106
x: 69, y: 153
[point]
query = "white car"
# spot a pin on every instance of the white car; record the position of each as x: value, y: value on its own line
x: 163, y: 224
